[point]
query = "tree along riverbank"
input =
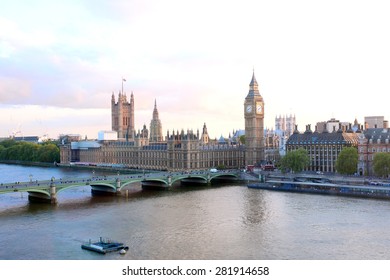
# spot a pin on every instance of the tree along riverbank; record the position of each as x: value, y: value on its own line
x: 47, y: 152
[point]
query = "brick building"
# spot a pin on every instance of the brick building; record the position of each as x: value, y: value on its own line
x: 372, y: 141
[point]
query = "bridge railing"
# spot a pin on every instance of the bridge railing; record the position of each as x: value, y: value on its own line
x: 67, y: 182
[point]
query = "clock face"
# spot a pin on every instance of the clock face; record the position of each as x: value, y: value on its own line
x: 259, y: 108
x: 249, y: 108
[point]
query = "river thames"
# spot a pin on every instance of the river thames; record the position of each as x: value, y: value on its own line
x: 188, y: 223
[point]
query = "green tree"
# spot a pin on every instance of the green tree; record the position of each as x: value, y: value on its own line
x: 221, y: 167
x: 49, y: 153
x: 27, y: 150
x: 8, y: 143
x: 242, y: 139
x: 295, y: 161
x: 381, y: 164
x: 2, y: 151
x: 24, y: 151
x: 347, y: 161
x: 14, y: 152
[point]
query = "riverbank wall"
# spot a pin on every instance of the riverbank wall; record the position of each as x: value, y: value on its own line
x: 28, y: 163
x: 67, y: 166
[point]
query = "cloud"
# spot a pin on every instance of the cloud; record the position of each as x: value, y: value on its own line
x: 14, y: 89
x: 196, y: 57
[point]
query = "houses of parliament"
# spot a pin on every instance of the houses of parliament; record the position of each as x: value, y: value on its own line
x: 178, y: 150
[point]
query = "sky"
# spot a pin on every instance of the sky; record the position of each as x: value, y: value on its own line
x: 60, y: 62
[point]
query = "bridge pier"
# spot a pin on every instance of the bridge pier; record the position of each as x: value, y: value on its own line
x: 118, y: 186
x: 53, y: 192
x: 44, y: 196
x: 46, y: 192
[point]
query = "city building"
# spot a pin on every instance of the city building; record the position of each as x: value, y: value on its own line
x: 30, y: 139
x: 155, y: 126
x: 331, y: 125
x: 254, y: 125
x: 323, y: 147
x: 68, y: 138
x: 275, y: 139
x: 271, y: 146
x: 286, y: 124
x: 122, y: 116
x: 372, y: 141
x: 179, y: 150
x: 375, y: 122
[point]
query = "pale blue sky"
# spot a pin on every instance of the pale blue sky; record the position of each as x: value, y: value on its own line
x: 60, y: 61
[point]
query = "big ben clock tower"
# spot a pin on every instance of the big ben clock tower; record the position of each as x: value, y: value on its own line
x: 254, y: 124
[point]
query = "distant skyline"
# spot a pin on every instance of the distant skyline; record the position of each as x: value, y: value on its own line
x: 60, y: 61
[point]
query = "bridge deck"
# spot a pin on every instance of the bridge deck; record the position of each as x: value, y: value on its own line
x: 167, y: 178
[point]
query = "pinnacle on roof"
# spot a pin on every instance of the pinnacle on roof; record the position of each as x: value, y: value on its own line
x: 253, y: 81
x: 155, y: 111
x: 253, y: 87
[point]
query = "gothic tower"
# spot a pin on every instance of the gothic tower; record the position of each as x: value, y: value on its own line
x: 122, y: 116
x: 205, y: 138
x: 155, y: 126
x: 254, y: 124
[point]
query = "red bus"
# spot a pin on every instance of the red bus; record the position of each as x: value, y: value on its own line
x: 269, y: 167
x: 250, y: 168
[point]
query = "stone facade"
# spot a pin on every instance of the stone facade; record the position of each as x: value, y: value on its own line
x: 178, y: 151
x: 375, y: 122
x: 122, y: 116
x: 286, y: 124
x: 155, y: 126
x: 254, y: 125
x: 323, y: 148
x: 271, y: 146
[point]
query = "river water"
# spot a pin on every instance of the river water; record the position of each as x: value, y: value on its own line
x: 219, y: 222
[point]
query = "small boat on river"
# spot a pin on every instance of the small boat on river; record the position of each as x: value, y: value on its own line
x: 105, y: 245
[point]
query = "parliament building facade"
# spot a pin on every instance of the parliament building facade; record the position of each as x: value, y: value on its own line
x: 180, y: 150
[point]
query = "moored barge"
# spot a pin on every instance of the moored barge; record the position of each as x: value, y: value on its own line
x: 325, y: 188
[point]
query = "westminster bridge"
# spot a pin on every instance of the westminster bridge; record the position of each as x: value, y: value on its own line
x: 47, y: 190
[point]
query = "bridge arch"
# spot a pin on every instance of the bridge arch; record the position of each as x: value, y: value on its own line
x: 126, y: 183
x: 179, y: 178
x: 32, y: 191
x: 37, y: 195
x: 100, y: 188
x: 156, y: 180
x: 69, y: 187
x: 155, y: 183
x: 224, y: 175
x: 195, y: 180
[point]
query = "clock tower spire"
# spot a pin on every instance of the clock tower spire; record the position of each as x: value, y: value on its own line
x: 254, y: 124
x: 253, y: 86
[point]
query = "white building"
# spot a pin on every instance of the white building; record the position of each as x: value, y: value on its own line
x: 107, y: 136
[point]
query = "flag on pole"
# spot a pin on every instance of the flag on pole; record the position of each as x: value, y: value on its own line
x: 123, y: 79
